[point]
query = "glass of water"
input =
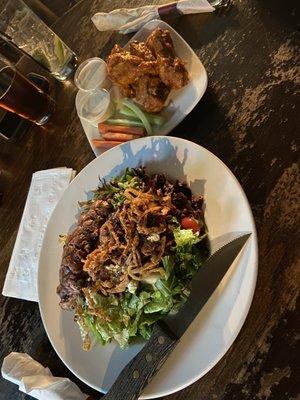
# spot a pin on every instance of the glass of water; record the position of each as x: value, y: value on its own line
x: 27, y: 31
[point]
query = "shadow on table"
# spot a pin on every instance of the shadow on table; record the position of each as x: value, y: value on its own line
x: 208, y: 126
x: 201, y: 29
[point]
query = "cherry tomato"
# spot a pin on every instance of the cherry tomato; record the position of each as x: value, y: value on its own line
x: 190, y: 223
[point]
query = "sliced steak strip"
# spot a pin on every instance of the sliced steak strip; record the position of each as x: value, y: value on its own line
x: 82, y: 241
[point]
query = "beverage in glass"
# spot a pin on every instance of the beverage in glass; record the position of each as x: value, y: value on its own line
x: 20, y: 96
x: 27, y: 31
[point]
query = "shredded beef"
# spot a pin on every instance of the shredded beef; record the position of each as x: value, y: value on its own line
x: 158, y: 182
x: 82, y: 241
x: 183, y: 188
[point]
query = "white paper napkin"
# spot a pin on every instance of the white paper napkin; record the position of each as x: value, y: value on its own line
x: 45, y: 190
x: 127, y: 20
x: 37, y: 381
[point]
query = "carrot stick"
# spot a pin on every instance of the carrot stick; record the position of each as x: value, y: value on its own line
x: 132, y: 130
x: 119, y: 136
x: 105, y: 144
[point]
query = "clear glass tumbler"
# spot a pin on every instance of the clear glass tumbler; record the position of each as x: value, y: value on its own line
x: 27, y: 31
x: 20, y: 96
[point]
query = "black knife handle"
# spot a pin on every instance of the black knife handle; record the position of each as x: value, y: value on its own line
x: 140, y: 370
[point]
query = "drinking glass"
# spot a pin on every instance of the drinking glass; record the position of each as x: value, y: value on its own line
x: 26, y: 30
x: 20, y: 96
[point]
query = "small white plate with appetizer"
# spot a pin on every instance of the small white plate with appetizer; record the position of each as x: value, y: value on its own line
x: 177, y: 98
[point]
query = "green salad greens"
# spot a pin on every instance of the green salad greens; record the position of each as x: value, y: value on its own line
x: 142, y: 304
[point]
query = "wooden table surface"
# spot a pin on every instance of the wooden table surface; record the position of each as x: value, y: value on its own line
x: 249, y: 119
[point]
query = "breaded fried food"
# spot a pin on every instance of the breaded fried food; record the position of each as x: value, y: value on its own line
x: 122, y: 67
x: 125, y: 69
x: 171, y: 69
x: 141, y: 50
x: 148, y: 71
x: 151, y: 93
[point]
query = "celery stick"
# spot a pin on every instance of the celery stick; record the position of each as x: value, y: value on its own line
x: 124, y: 122
x: 139, y: 114
x: 152, y: 118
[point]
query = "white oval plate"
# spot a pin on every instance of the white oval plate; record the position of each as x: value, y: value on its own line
x: 182, y: 101
x: 227, y: 214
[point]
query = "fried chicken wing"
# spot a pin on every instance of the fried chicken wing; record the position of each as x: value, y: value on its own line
x: 141, y: 50
x: 116, y: 49
x: 122, y: 67
x: 171, y: 69
x: 148, y: 68
x: 151, y: 93
x: 161, y: 43
x: 125, y: 68
x: 127, y: 91
x: 148, y: 71
x: 172, y: 73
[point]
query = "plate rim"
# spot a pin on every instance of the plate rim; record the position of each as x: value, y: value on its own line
x: 252, y: 286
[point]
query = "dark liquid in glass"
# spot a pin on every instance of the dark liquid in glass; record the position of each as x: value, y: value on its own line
x: 19, y: 95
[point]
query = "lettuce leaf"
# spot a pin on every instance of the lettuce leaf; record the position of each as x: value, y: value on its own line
x: 113, y: 317
x: 159, y: 301
x: 146, y: 324
x: 115, y: 189
x: 185, y: 237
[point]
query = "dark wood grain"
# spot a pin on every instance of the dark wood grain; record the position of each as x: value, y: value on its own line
x: 59, y: 7
x: 142, y: 368
x: 44, y: 12
x: 249, y: 118
x: 39, y: 8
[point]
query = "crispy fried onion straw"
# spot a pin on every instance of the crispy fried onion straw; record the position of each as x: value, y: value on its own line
x: 132, y: 242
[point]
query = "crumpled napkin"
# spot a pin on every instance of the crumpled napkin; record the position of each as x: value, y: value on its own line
x: 37, y: 381
x: 45, y: 190
x: 126, y: 20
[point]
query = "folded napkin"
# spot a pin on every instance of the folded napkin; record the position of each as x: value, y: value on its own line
x: 126, y: 20
x: 37, y: 381
x: 45, y: 190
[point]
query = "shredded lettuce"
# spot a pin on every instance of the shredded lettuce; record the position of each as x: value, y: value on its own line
x: 185, y: 237
x: 116, y: 187
x: 112, y: 317
x: 114, y: 190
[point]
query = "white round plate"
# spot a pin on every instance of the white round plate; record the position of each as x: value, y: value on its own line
x: 227, y: 215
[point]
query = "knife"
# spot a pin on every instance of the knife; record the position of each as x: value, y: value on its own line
x: 168, y: 331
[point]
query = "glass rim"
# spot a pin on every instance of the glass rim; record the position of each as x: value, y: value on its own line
x: 14, y: 69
